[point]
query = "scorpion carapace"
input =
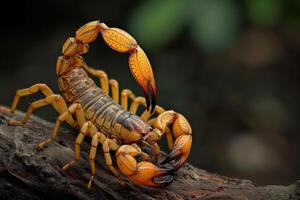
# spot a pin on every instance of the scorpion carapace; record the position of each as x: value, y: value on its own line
x: 115, y: 126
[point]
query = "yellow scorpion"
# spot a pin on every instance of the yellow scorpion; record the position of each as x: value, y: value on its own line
x: 89, y: 108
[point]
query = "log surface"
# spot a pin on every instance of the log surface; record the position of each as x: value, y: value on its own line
x: 30, y: 174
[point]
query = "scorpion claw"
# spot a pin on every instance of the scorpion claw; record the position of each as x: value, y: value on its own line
x: 179, y: 154
x: 142, y: 173
x: 183, y: 134
x: 149, y: 174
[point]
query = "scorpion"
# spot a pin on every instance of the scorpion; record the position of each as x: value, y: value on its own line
x: 106, y: 118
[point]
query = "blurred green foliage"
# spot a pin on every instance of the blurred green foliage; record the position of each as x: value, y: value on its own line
x: 158, y: 22
x: 266, y: 12
x: 213, y: 24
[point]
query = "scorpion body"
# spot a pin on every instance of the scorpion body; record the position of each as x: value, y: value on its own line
x: 100, y: 112
x: 99, y: 108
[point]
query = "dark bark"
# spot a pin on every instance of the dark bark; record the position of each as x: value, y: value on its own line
x: 30, y: 174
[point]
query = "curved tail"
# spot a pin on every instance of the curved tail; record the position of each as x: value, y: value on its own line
x: 118, y: 40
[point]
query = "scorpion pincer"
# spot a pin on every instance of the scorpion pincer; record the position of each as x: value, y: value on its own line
x: 96, y: 111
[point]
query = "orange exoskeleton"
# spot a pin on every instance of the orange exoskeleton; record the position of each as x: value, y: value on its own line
x: 108, y: 120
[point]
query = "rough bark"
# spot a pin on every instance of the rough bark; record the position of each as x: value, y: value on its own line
x: 30, y: 174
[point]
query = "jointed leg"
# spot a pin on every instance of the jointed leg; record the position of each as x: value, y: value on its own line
x: 104, y: 82
x: 66, y: 116
x: 107, y: 156
x: 28, y: 91
x: 134, y: 107
x: 135, y: 104
x: 78, y: 142
x: 92, y: 156
x: 146, y: 114
x: 156, y: 150
x: 114, y: 89
x: 124, y: 98
x: 107, y: 145
x: 56, y: 100
x: 101, y: 75
x: 87, y: 128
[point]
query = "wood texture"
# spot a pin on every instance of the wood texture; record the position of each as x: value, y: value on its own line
x: 30, y: 174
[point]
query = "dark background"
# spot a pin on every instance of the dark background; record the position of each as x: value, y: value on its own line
x: 231, y: 67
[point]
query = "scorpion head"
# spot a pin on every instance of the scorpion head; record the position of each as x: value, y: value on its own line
x: 133, y: 129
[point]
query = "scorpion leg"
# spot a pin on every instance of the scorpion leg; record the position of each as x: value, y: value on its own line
x: 143, y: 173
x: 104, y: 83
x: 124, y: 98
x: 107, y: 144
x: 108, y: 160
x: 114, y: 85
x: 57, y: 102
x: 87, y: 128
x: 136, y: 101
x: 135, y: 104
x: 78, y: 142
x: 183, y: 134
x: 92, y: 156
x: 66, y: 116
x: 28, y: 91
x: 146, y: 114
x: 156, y: 150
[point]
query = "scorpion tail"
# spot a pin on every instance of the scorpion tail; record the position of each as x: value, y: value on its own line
x: 139, y: 64
x: 142, y: 173
x: 120, y: 41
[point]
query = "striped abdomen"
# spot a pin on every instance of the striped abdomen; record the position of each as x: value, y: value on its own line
x: 99, y: 108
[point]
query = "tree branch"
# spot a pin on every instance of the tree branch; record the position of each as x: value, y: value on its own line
x: 30, y: 174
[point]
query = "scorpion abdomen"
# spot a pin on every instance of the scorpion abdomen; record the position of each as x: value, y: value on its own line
x: 107, y: 115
